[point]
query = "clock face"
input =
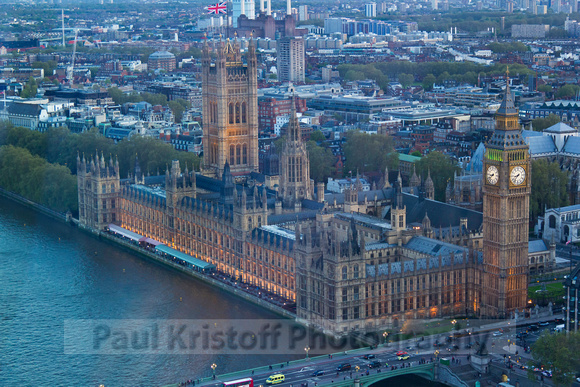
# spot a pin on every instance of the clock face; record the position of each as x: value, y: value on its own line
x: 492, y: 175
x: 518, y: 175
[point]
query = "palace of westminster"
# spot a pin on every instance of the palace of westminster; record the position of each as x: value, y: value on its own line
x: 362, y: 260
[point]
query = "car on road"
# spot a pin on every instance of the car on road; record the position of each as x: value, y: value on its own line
x: 318, y: 373
x: 533, y: 327
x: 404, y: 357
x: 375, y: 364
x: 559, y: 321
x: 547, y: 373
x: 369, y: 356
x: 497, y: 333
x: 343, y: 367
x: 275, y: 379
x: 468, y: 345
x: 401, y: 353
x: 544, y: 324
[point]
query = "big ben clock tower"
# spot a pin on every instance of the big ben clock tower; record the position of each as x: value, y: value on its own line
x: 506, y: 198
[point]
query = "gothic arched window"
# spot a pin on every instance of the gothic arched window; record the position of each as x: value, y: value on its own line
x: 243, y: 112
x: 245, y: 153
x: 344, y: 272
x: 237, y: 112
x: 238, y: 154
x: 552, y: 220
x: 232, y: 155
x: 231, y: 113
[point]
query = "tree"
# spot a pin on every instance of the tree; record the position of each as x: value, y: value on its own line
x: 428, y: 82
x: 317, y: 136
x: 545, y: 88
x: 539, y: 124
x: 353, y: 75
x: 406, y: 80
x: 416, y: 153
x: 368, y: 152
x: 30, y: 89
x: 321, y: 161
x: 549, y: 183
x: 442, y: 171
x: 178, y: 106
x: 559, y: 353
x: 567, y: 91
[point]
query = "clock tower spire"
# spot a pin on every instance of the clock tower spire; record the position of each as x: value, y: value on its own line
x: 506, y: 198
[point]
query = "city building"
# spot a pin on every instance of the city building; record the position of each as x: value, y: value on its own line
x: 290, y: 60
x: 230, y: 109
x: 371, y: 9
x: 274, y: 112
x: 161, y: 60
x: 303, y: 12
x: 356, y: 260
x: 529, y: 30
x: 242, y: 7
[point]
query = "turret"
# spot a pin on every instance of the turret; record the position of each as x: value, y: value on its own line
x: 429, y: 186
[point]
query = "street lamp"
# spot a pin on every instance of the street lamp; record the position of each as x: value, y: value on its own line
x: 386, y: 336
x: 307, y: 349
x: 436, y: 355
x: 213, y: 367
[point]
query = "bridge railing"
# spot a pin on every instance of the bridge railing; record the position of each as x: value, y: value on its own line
x: 366, y: 380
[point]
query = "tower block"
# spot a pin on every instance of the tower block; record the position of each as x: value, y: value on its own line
x: 230, y: 109
x: 506, y: 200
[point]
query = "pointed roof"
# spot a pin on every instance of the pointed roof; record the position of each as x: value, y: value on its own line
x: 507, y: 106
x: 560, y: 127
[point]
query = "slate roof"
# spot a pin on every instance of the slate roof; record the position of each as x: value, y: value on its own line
x: 476, y: 163
x: 24, y: 109
x: 541, y: 145
x: 572, y: 146
x: 535, y: 246
x: 440, y: 214
x: 560, y: 127
x: 530, y: 133
x: 434, y: 247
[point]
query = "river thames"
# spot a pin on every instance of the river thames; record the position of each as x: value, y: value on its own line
x: 51, y: 271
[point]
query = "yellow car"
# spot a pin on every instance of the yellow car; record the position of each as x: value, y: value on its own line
x: 404, y: 357
x: 275, y: 379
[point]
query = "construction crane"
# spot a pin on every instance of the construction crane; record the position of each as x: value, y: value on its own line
x: 70, y: 69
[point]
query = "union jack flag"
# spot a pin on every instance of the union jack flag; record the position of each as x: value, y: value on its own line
x: 218, y: 8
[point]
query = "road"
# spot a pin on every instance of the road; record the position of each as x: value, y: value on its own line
x: 502, y: 346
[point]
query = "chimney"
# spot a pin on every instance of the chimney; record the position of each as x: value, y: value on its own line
x: 288, y: 7
x: 269, y: 10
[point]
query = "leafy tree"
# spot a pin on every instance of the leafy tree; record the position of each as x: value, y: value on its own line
x: 406, y: 80
x: 549, y: 183
x: 428, y: 82
x: 559, y: 353
x: 497, y: 47
x: 539, y: 124
x: 30, y: 89
x: 353, y: 75
x: 368, y: 152
x: 48, y: 67
x: 442, y: 171
x: 567, y: 91
x: 178, y: 106
x: 321, y: 161
x: 545, y: 88
x: 317, y: 136
x: 416, y: 153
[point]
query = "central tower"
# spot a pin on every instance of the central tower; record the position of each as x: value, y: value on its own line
x: 230, y: 109
x: 295, y: 184
x: 506, y: 197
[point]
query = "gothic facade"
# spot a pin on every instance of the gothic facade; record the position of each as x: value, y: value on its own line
x: 506, y: 199
x: 230, y: 109
x: 350, y: 261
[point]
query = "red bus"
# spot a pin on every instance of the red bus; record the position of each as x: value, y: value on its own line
x: 247, y: 382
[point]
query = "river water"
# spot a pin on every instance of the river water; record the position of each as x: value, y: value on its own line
x: 50, y: 272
